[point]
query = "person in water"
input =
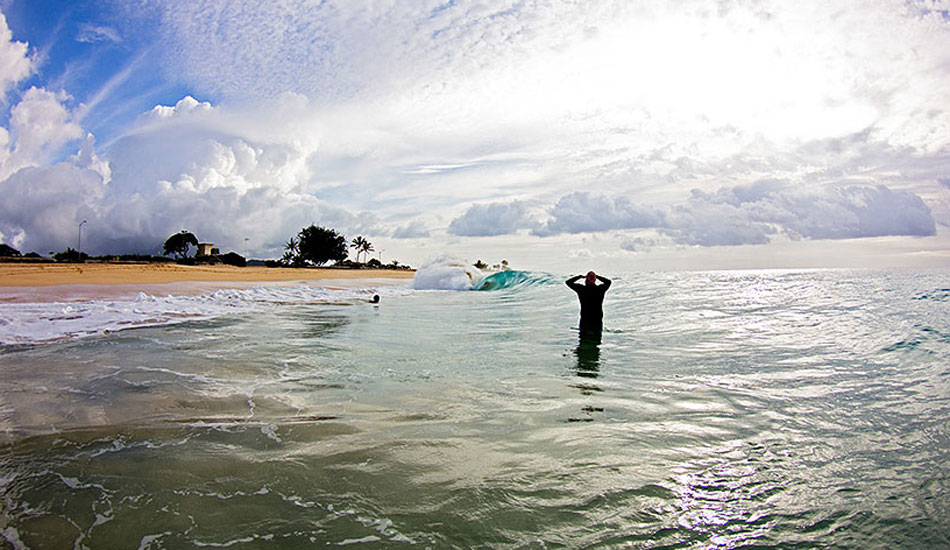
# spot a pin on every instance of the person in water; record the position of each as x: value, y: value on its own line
x: 591, y: 296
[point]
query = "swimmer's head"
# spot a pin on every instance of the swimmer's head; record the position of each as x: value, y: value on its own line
x: 591, y: 278
x: 374, y: 299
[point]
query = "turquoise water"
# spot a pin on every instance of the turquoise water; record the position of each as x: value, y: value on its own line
x: 756, y: 409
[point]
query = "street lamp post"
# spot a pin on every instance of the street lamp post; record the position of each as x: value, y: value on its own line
x: 79, y: 245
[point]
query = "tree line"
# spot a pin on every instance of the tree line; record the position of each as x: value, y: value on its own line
x: 317, y: 246
x: 312, y: 246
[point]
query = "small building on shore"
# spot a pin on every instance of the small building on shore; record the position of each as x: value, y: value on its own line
x: 205, y: 249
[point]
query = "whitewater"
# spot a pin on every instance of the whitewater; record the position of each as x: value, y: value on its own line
x: 723, y: 409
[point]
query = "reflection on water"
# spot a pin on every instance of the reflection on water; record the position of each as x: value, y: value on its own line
x: 775, y: 410
x: 587, y: 353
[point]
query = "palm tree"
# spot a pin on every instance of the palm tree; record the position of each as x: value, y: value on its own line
x: 291, y: 251
x: 291, y: 245
x: 361, y: 245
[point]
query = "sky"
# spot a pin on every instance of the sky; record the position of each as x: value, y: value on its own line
x: 556, y: 134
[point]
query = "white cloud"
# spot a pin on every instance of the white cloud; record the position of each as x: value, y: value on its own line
x: 412, y: 230
x: 46, y: 204
x: 639, y: 244
x: 707, y: 223
x: 487, y: 220
x: 582, y: 212
x: 753, y: 214
x: 97, y: 33
x: 40, y: 125
x: 15, y: 64
x: 185, y: 105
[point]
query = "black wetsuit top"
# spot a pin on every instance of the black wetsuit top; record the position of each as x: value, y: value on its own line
x: 592, y: 303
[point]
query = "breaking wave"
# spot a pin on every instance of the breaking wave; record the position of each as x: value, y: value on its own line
x: 452, y: 274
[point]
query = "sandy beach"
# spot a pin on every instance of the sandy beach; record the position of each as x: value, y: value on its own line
x: 41, y: 275
x: 72, y: 282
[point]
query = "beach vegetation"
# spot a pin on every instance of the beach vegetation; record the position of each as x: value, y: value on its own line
x: 233, y: 258
x: 319, y: 245
x: 362, y: 246
x: 7, y: 250
x: 179, y: 243
x: 70, y: 255
x: 292, y: 253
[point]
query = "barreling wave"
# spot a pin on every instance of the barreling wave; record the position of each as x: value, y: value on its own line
x: 510, y: 279
x: 446, y: 273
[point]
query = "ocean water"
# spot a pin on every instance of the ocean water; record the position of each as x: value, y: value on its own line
x: 752, y: 409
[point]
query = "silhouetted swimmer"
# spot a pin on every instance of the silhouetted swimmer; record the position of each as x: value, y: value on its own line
x: 374, y: 299
x: 591, y: 296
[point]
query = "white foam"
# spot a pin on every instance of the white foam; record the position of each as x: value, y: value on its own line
x: 447, y: 273
x: 39, y: 322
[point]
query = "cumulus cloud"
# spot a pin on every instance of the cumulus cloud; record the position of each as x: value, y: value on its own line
x: 185, y: 105
x: 15, y: 64
x: 174, y: 171
x: 639, y: 244
x: 748, y: 214
x: 752, y: 214
x: 40, y: 125
x: 42, y: 206
x: 715, y: 224
x: 582, y: 212
x: 412, y: 230
x: 487, y: 220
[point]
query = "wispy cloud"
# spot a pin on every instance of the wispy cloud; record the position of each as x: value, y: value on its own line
x: 97, y: 33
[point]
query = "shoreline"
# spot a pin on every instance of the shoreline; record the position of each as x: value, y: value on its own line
x: 42, y: 274
x: 81, y: 282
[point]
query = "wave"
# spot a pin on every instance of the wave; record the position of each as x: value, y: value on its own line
x: 446, y: 273
x: 43, y: 322
x: 510, y: 279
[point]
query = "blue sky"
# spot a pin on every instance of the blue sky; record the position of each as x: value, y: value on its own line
x: 101, y: 59
x: 604, y: 134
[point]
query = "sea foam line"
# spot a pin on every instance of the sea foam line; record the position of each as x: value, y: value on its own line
x: 42, y: 322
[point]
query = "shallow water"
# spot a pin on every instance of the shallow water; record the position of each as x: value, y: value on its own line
x: 767, y: 409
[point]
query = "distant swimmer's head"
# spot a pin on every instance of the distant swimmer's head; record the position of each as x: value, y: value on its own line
x: 591, y: 278
x: 374, y: 299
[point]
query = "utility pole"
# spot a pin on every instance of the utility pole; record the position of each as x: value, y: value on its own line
x: 79, y: 245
